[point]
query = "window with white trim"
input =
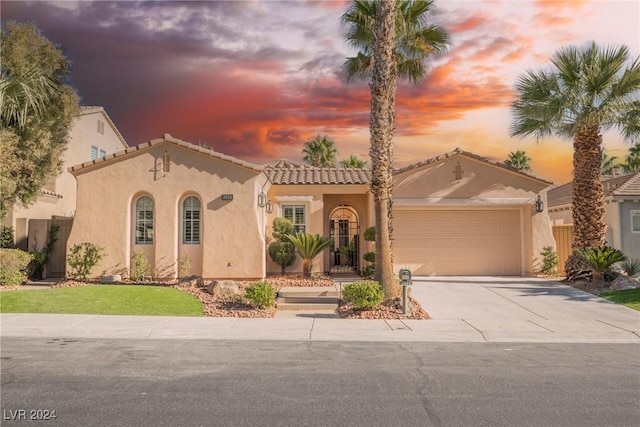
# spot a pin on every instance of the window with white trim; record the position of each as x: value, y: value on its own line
x: 635, y: 221
x: 297, y: 215
x: 94, y: 152
x: 191, y: 221
x: 144, y: 221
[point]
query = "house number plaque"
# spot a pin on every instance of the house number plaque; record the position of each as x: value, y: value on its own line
x: 227, y: 197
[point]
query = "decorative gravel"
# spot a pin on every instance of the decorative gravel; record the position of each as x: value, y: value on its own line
x: 390, y: 309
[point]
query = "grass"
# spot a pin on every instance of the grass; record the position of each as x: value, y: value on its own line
x: 105, y: 299
x: 628, y: 297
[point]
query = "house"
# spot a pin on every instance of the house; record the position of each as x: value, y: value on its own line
x: 92, y: 136
x: 456, y: 214
x: 622, y: 204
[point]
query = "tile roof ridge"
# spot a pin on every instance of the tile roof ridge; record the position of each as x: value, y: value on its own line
x: 631, y: 179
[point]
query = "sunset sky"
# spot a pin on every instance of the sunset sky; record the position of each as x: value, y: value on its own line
x: 257, y: 79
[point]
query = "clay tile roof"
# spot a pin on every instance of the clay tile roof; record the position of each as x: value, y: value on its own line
x: 624, y: 185
x: 288, y: 172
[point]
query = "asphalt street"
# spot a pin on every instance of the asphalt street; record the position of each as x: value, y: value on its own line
x: 146, y: 382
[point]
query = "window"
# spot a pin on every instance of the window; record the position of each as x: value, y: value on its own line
x: 94, y: 152
x: 103, y: 153
x: 144, y: 221
x: 100, y: 127
x: 635, y: 221
x: 191, y: 221
x: 295, y: 214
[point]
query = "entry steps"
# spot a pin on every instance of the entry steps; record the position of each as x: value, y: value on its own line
x: 299, y: 298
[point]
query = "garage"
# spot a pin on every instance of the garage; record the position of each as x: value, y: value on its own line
x: 458, y: 241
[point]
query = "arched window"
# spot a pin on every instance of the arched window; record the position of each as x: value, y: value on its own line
x: 191, y: 221
x: 144, y: 221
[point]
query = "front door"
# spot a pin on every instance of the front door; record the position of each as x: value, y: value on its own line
x: 345, y: 233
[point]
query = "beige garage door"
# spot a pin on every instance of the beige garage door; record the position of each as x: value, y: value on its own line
x: 458, y: 242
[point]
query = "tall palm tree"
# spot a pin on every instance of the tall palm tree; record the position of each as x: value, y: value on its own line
x: 381, y: 126
x: 24, y: 95
x: 607, y: 164
x: 309, y: 246
x: 587, y: 91
x: 633, y: 159
x: 353, y: 162
x: 320, y: 152
x: 415, y: 39
x: 518, y: 160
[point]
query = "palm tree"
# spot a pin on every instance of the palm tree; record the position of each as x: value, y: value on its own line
x: 633, y: 159
x: 24, y: 95
x: 518, y: 160
x: 320, y: 152
x: 587, y: 91
x: 309, y: 246
x: 607, y: 164
x: 381, y: 126
x: 415, y: 40
x: 353, y: 162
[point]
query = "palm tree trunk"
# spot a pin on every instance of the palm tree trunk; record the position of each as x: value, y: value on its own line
x: 382, y: 127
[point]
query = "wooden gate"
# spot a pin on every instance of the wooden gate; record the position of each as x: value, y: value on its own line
x: 58, y: 256
x: 563, y: 235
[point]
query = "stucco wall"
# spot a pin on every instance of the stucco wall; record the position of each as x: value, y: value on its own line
x: 232, y: 243
x: 630, y: 241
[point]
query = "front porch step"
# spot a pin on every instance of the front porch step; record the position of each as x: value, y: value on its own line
x: 320, y: 298
x: 309, y: 299
x: 306, y: 306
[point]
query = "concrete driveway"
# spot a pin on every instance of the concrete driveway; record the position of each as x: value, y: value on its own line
x: 525, y: 309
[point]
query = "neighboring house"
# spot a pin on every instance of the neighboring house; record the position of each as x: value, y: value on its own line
x: 622, y: 203
x: 93, y: 135
x: 457, y: 214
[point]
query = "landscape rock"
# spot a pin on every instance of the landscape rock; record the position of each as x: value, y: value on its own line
x: 111, y: 278
x: 225, y: 287
x: 192, y: 281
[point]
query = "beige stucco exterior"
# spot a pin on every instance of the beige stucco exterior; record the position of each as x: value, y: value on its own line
x: 231, y: 240
x: 59, y: 197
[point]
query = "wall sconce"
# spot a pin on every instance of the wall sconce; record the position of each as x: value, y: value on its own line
x: 269, y: 206
x: 457, y: 171
x: 539, y: 204
x: 166, y: 162
x: 261, y: 199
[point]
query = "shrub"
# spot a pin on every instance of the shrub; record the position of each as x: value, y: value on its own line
x: 600, y: 259
x: 13, y: 266
x: 370, y: 257
x: 282, y: 253
x: 40, y: 259
x: 364, y: 294
x: 369, y: 270
x: 370, y: 234
x: 184, y: 265
x: 261, y: 294
x: 550, y: 261
x: 631, y: 267
x: 82, y: 258
x: 6, y: 236
x: 140, y: 265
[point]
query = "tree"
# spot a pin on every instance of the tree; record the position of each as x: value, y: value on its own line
x: 518, y: 160
x: 353, y: 162
x: 633, y: 159
x: 320, y: 152
x: 607, y: 164
x: 415, y: 40
x: 381, y: 126
x: 309, y: 246
x: 586, y: 92
x: 281, y: 250
x: 38, y: 107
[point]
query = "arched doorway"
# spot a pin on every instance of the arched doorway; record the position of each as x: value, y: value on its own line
x: 344, y: 229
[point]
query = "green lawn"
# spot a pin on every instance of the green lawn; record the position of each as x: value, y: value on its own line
x: 104, y: 299
x: 628, y: 297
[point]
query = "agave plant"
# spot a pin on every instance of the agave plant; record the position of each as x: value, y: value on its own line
x: 309, y: 246
x: 631, y: 267
x: 601, y: 258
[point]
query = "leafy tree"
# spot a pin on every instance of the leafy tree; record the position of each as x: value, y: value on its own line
x: 587, y: 91
x: 416, y: 41
x: 320, y: 152
x: 281, y: 250
x: 633, y: 159
x: 393, y: 39
x: 607, y: 164
x: 309, y: 246
x: 353, y: 162
x: 518, y: 160
x: 38, y: 107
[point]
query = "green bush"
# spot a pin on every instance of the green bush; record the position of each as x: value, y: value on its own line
x: 369, y: 270
x: 140, y: 265
x: 14, y: 265
x: 602, y: 258
x: 6, y: 236
x: 550, y: 261
x: 370, y: 234
x: 261, y: 294
x: 631, y: 267
x: 370, y: 257
x: 82, y: 258
x: 364, y: 294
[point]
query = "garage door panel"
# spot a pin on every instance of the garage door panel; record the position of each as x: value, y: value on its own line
x: 458, y: 242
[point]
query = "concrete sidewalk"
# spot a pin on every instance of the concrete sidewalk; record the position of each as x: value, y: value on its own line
x: 463, y: 309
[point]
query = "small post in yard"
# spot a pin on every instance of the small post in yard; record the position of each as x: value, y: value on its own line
x: 405, y: 281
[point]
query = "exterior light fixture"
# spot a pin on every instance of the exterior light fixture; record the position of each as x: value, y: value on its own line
x: 261, y: 199
x: 166, y: 162
x: 269, y: 206
x: 539, y: 204
x: 457, y: 171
